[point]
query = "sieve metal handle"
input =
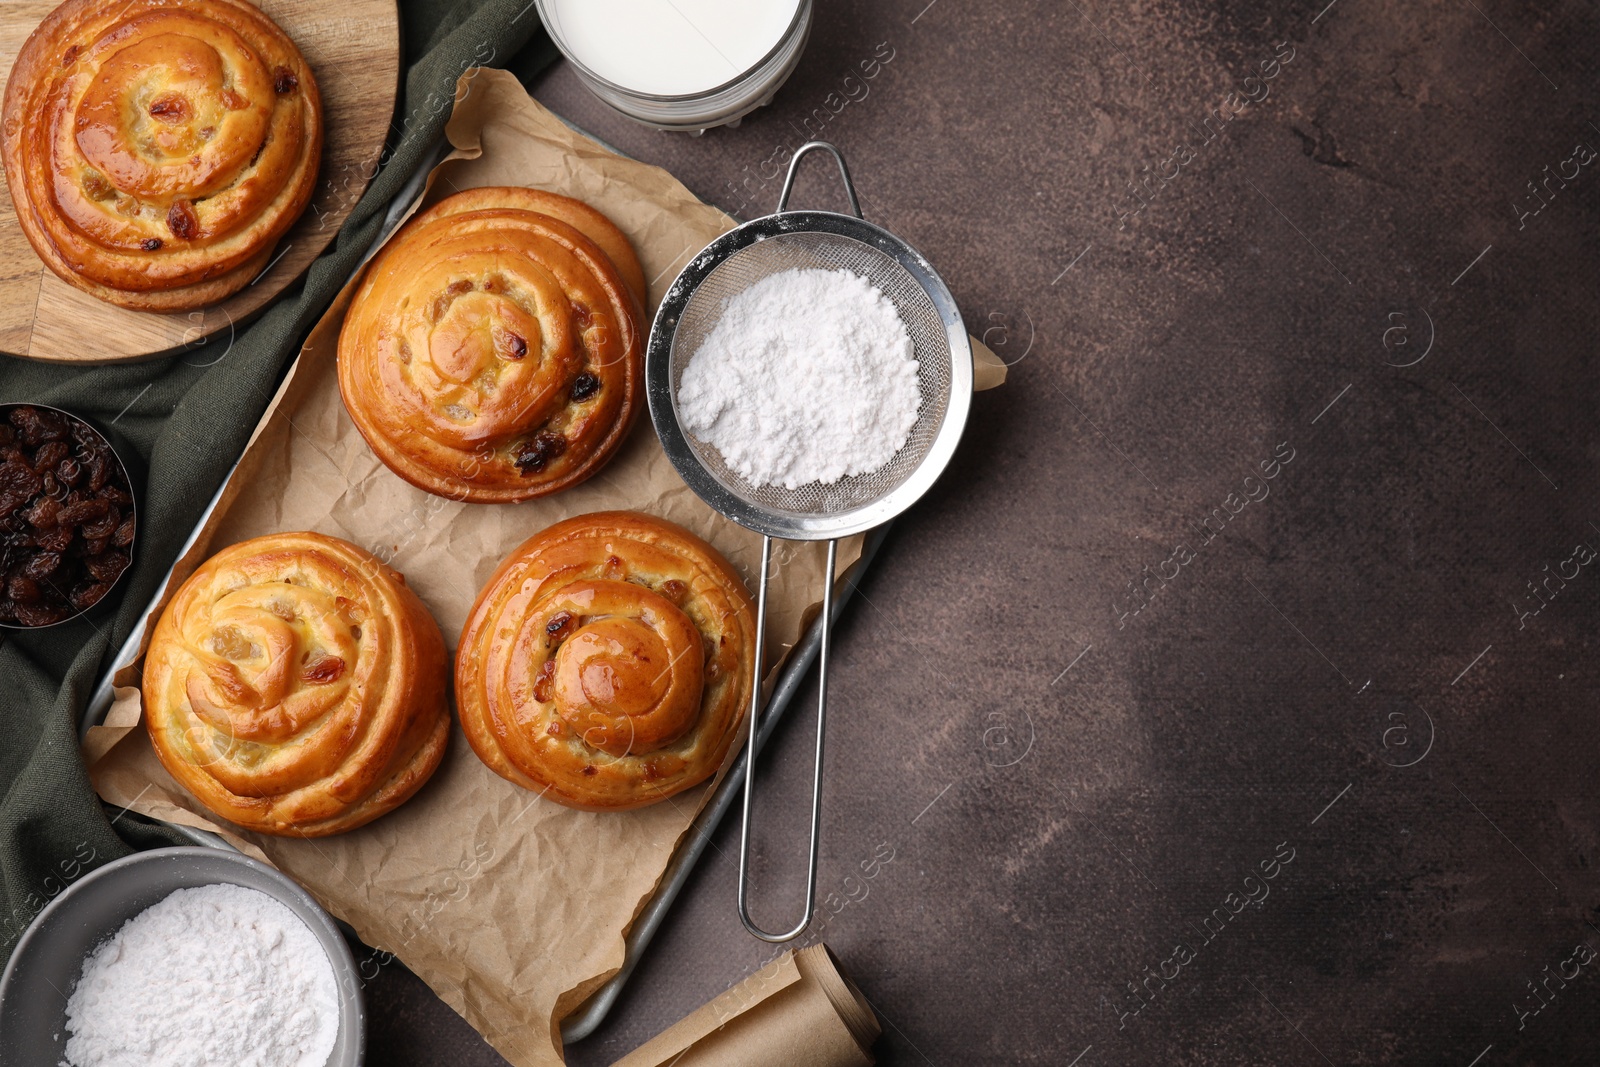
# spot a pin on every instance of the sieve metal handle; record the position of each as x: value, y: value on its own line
x: 750, y: 761
x: 794, y: 166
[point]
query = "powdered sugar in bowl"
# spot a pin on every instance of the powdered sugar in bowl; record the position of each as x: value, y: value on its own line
x: 284, y: 942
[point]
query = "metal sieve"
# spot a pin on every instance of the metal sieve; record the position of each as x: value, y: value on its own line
x: 787, y: 240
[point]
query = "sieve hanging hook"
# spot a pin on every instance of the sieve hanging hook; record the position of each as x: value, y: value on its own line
x: 794, y: 167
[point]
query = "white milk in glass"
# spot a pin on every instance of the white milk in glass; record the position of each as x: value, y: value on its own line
x: 670, y: 47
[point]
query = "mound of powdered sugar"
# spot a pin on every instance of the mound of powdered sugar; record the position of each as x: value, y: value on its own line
x: 218, y: 974
x: 808, y: 376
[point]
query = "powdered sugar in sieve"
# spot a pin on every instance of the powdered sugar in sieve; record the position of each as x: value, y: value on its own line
x: 809, y: 375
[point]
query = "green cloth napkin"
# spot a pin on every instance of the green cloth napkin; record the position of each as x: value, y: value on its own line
x: 189, y: 417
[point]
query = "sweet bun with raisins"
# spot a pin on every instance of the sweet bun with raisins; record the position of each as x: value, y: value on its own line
x: 494, y: 351
x: 608, y: 663
x: 156, y: 152
x: 296, y: 686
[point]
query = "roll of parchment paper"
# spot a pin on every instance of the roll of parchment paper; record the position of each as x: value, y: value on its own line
x: 798, y: 1011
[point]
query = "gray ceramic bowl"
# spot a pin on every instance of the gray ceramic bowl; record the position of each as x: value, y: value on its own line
x: 49, y: 957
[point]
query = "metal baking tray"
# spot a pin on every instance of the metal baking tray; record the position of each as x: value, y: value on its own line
x: 593, y: 1011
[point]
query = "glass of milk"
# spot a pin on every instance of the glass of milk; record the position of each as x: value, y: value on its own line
x: 681, y: 64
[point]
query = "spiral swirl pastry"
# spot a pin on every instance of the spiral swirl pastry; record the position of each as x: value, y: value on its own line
x: 608, y: 662
x: 295, y: 686
x: 493, y: 353
x: 156, y: 151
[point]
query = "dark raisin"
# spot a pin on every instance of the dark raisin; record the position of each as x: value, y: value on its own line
x: 70, y: 56
x: 35, y: 426
x: 170, y: 109
x: 534, y: 456
x: 284, y: 81
x: 82, y: 511
x: 558, y: 626
x: 106, y: 566
x: 96, y: 545
x: 150, y: 244
x: 555, y: 728
x: 182, y: 221
x: 516, y: 348
x: 589, y: 771
x: 54, y: 541
x: 49, y: 455
x: 99, y: 465
x: 582, y: 316
x: 325, y: 670
x: 40, y: 614
x: 87, y: 443
x: 124, y: 535
x: 544, y: 682
x: 23, y: 590
x: 584, y: 386
x: 18, y: 485
x: 69, y: 472
x: 43, y: 513
x: 87, y: 594
x: 674, y: 590
x: 41, y: 566
x: 105, y: 525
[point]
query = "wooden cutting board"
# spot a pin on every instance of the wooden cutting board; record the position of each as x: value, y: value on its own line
x: 353, y: 47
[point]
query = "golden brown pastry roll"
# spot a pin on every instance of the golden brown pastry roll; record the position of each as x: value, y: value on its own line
x: 494, y: 352
x: 156, y: 152
x: 295, y: 686
x: 581, y: 217
x: 608, y: 662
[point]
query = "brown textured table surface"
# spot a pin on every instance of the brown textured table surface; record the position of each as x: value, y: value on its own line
x: 1273, y: 558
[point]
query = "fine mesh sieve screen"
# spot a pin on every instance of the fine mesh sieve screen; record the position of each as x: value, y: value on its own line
x: 808, y: 249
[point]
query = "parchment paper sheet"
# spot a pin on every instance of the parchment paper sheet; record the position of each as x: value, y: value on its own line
x: 798, y: 1011
x: 513, y: 909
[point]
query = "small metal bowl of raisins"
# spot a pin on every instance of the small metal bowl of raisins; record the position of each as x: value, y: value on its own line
x: 67, y: 516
